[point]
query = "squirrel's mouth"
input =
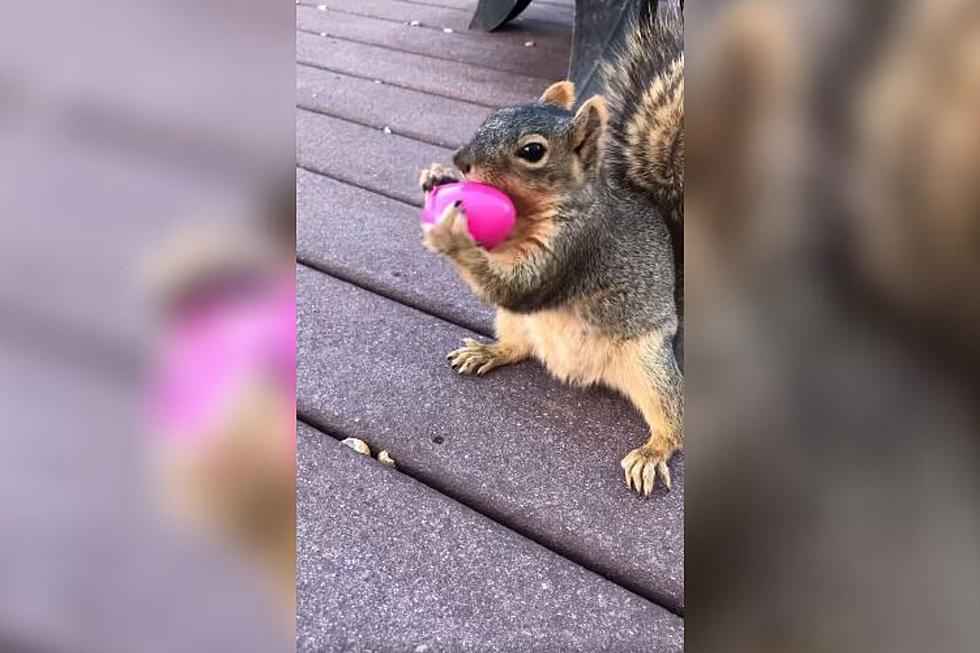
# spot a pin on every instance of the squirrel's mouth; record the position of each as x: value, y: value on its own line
x: 530, y: 205
x: 481, y: 177
x: 475, y: 174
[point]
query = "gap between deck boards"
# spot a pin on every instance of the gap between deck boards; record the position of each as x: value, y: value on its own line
x: 371, y: 288
x: 314, y: 171
x: 577, y: 560
x: 529, y: 22
x: 469, y: 10
x: 428, y: 55
x: 329, y: 69
x: 410, y: 136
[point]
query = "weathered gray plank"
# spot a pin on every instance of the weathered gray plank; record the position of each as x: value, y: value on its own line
x: 539, y: 10
x: 539, y: 18
x: 387, y: 564
x: 362, y: 156
x: 476, y: 48
x: 550, y: 33
x: 434, y: 119
x: 451, y: 79
x: 537, y: 456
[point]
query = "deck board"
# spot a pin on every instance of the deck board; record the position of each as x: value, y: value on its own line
x: 482, y: 50
x: 559, y: 13
x: 536, y: 455
x: 422, y: 578
x: 536, y: 20
x: 453, y: 13
x: 461, y: 81
x: 430, y: 118
x: 363, y: 156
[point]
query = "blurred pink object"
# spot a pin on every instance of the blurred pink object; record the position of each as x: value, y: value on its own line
x: 490, y: 215
x: 216, y: 349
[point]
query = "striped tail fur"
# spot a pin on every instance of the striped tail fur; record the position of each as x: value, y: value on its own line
x: 644, y: 88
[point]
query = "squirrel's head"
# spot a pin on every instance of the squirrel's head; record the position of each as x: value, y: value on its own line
x: 536, y: 151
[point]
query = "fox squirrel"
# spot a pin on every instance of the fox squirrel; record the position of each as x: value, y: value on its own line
x: 585, y: 282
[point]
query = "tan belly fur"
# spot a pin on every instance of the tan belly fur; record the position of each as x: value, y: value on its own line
x: 570, y: 348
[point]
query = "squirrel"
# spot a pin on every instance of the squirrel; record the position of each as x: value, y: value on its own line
x: 585, y: 282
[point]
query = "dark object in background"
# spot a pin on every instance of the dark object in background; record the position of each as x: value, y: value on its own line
x: 600, y: 26
x: 491, y: 14
x: 600, y: 29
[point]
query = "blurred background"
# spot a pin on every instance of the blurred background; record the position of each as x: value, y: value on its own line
x: 832, y: 234
x: 146, y: 239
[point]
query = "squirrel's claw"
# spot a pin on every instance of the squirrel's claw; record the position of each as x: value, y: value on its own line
x: 476, y: 357
x: 437, y: 175
x: 642, y: 466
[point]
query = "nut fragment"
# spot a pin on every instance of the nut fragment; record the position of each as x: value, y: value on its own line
x: 416, y: 23
x: 360, y: 446
x: 385, y: 459
x: 447, y: 30
x: 528, y: 44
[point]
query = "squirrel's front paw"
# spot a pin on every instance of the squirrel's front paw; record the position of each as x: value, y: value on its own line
x: 449, y: 233
x: 643, y: 465
x: 437, y: 175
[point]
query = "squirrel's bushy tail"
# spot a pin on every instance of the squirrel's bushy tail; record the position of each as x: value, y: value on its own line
x: 644, y: 89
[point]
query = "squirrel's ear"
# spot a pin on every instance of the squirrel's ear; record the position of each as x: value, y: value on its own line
x: 561, y: 94
x: 587, y: 126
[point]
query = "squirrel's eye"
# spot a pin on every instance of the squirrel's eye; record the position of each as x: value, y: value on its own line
x: 532, y: 152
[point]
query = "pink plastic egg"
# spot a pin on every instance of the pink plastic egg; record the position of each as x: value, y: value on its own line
x: 490, y: 215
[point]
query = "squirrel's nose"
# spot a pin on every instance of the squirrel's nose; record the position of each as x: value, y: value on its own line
x: 461, y: 161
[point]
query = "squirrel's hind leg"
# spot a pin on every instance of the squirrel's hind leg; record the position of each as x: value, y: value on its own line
x: 652, y: 380
x: 512, y: 346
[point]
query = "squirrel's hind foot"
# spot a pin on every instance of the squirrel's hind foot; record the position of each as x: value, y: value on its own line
x: 643, y: 465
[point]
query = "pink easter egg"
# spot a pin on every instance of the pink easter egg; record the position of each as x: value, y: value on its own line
x: 490, y: 215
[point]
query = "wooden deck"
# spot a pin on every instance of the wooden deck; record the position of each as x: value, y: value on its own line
x: 507, y: 525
